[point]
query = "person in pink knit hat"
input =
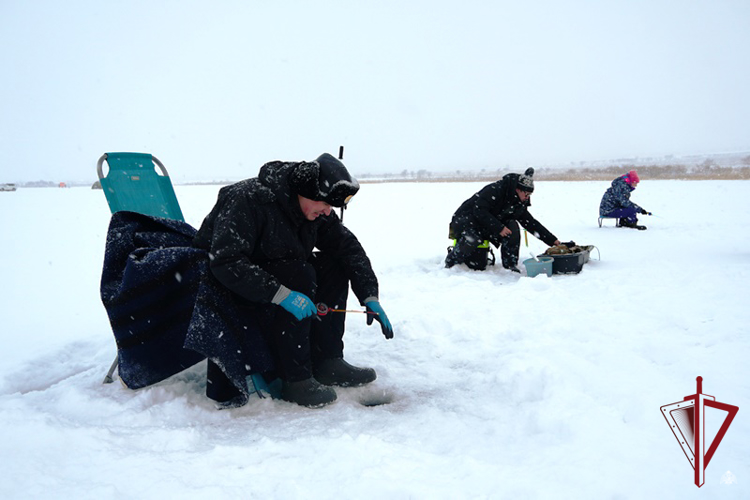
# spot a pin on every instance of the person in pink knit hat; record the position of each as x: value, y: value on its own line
x: 616, y: 201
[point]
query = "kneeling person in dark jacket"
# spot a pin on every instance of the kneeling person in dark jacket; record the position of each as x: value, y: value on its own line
x: 492, y: 215
x: 261, y: 234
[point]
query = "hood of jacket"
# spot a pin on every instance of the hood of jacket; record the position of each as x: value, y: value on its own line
x: 275, y: 176
x: 620, y: 183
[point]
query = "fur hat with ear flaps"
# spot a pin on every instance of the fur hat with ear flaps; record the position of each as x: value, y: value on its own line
x: 325, y: 179
x: 526, y: 181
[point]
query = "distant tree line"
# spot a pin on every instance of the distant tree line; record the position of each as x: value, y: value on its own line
x: 720, y: 166
x: 708, y: 168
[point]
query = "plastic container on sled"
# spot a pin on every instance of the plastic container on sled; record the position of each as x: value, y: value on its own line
x: 534, y: 267
x: 571, y: 263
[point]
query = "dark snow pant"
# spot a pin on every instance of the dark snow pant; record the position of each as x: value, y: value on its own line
x: 466, y: 252
x: 297, y: 345
x: 510, y: 245
x: 629, y: 214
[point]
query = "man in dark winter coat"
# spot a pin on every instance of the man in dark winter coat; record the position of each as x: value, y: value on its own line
x: 616, y: 201
x: 493, y: 215
x: 261, y: 234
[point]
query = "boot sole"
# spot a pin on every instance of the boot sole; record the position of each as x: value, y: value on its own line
x: 344, y: 384
x: 311, y: 405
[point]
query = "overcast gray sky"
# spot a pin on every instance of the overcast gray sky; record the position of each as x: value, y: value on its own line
x: 216, y: 88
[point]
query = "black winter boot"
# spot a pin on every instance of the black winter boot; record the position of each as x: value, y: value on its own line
x: 633, y: 225
x: 336, y: 371
x: 451, y: 259
x: 308, y: 393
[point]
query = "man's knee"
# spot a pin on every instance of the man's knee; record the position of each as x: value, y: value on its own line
x: 515, y: 230
x: 329, y: 271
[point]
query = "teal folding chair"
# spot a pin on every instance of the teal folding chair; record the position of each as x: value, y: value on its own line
x: 133, y: 184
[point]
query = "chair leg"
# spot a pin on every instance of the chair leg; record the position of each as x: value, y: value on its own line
x: 602, y: 219
x: 108, y: 379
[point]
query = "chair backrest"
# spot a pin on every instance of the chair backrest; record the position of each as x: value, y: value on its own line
x: 133, y: 184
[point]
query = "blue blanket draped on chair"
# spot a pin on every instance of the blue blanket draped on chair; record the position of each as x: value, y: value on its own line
x: 166, y: 310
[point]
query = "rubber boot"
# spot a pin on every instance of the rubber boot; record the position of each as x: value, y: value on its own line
x: 308, y: 392
x: 338, y: 372
x: 450, y: 259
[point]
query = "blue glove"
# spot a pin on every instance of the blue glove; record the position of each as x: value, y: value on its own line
x: 299, y: 305
x: 374, y: 307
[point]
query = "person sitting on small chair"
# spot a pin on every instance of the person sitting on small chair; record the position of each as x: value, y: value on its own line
x: 616, y: 202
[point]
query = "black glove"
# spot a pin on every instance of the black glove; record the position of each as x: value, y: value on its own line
x: 644, y: 211
x: 569, y: 244
x: 379, y: 315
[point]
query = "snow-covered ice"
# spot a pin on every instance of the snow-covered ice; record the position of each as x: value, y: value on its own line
x: 496, y: 385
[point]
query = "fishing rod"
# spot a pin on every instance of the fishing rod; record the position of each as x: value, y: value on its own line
x: 341, y: 157
x: 324, y: 309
